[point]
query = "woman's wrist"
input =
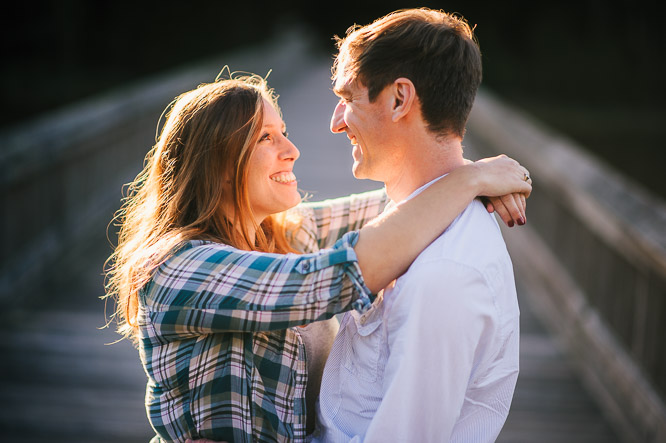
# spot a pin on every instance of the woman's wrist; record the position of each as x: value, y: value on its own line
x: 472, y: 177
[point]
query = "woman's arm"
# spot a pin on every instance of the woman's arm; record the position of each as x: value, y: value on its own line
x: 388, y: 245
x: 325, y: 222
x: 208, y: 287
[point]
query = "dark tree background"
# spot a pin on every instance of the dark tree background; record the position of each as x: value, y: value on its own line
x: 592, y: 69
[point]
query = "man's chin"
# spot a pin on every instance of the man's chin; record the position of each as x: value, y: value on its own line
x: 359, y: 170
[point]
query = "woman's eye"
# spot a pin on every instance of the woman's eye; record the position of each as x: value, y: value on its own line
x: 267, y: 136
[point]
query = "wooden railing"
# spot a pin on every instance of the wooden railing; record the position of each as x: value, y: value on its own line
x: 594, y: 256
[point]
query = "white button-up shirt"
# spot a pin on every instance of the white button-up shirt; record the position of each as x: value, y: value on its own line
x: 435, y: 359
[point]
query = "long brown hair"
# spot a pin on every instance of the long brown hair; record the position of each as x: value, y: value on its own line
x: 198, y: 166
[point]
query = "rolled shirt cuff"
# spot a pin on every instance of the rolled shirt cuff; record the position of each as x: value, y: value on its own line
x: 343, y: 253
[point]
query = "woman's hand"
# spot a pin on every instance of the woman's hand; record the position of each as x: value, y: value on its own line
x: 506, y: 205
x: 504, y: 187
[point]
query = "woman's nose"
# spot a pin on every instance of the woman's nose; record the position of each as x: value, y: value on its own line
x: 337, y: 119
x: 289, y: 151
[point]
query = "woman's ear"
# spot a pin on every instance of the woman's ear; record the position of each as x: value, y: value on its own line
x: 404, y: 96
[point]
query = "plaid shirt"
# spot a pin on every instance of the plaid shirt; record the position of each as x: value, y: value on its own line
x: 218, y: 336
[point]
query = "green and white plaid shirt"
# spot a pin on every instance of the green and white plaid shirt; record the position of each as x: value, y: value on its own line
x: 218, y: 336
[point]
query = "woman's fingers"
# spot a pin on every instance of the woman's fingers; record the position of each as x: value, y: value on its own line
x: 510, y: 208
x: 509, y: 184
x: 488, y: 204
x: 501, y: 211
x: 527, y: 178
x: 515, y: 207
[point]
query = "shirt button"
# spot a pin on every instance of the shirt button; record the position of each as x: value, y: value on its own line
x: 306, y: 266
x: 363, y: 319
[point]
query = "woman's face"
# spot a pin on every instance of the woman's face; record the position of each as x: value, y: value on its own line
x: 271, y: 181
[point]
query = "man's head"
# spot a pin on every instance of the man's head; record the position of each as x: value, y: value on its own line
x: 436, y: 51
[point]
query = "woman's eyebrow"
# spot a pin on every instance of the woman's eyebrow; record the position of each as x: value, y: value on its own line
x: 282, y: 126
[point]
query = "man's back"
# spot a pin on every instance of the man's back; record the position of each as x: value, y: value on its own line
x: 437, y: 358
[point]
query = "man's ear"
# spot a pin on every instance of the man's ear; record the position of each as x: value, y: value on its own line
x: 404, y: 97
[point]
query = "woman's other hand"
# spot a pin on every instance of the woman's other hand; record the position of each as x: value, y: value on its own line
x: 505, y: 187
x: 511, y: 208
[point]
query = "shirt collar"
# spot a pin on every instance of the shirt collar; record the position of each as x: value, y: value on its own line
x: 416, y: 192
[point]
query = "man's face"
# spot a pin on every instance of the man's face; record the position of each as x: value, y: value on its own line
x: 366, y: 125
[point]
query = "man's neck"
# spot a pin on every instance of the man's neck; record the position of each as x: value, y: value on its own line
x: 423, y: 165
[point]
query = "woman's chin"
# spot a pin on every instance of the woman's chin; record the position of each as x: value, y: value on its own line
x: 291, y: 202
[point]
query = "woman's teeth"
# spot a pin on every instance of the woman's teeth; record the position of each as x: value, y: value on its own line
x: 284, y: 177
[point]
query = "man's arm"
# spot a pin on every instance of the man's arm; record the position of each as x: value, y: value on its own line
x: 437, y: 329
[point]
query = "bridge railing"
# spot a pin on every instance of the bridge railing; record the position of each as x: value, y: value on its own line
x: 594, y: 256
x: 593, y: 253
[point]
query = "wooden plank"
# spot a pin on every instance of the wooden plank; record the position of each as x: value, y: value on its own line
x: 61, y: 381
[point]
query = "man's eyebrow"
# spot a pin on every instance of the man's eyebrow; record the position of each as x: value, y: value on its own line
x: 342, y: 91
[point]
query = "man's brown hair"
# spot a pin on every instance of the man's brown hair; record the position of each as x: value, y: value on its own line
x: 437, y: 51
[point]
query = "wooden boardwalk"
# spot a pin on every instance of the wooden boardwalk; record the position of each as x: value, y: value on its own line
x: 61, y: 380
x: 550, y: 405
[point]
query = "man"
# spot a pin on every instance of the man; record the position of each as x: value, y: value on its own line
x: 436, y: 358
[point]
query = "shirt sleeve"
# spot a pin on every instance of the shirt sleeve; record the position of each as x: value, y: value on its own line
x: 209, y: 287
x: 325, y: 222
x: 436, y: 330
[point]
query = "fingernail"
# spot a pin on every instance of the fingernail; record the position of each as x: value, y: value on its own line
x: 521, y: 221
x: 511, y: 224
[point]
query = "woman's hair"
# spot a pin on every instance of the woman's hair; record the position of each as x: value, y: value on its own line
x: 198, y: 166
x: 437, y: 51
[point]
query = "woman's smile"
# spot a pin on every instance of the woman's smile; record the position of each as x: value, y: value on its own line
x: 285, y: 178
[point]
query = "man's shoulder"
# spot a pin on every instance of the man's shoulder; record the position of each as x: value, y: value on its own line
x: 474, y: 238
x: 470, y: 252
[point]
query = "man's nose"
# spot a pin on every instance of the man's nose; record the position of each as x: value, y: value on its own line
x: 337, y: 119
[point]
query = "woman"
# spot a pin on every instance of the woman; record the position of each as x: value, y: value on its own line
x: 206, y: 275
